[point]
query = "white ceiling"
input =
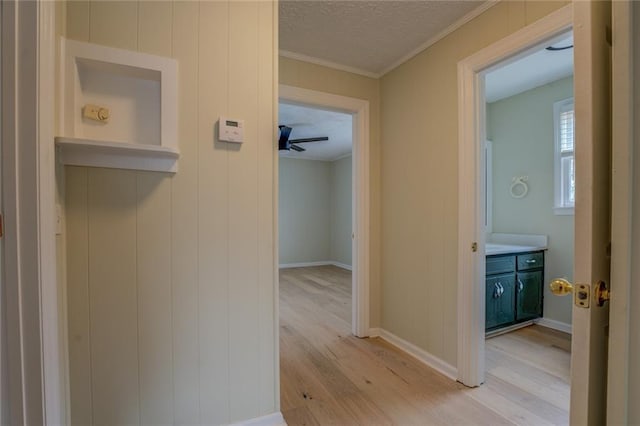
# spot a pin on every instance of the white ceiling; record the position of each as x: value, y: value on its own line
x: 309, y: 122
x: 370, y: 37
x: 534, y: 70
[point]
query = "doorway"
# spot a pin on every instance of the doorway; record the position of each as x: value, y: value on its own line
x: 529, y: 232
x: 358, y: 109
x: 472, y: 267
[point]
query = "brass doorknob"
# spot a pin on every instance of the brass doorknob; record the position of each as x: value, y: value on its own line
x: 561, y: 287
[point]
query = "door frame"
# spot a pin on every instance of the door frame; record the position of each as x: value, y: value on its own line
x: 36, y: 382
x: 471, y: 194
x: 625, y: 16
x: 359, y: 109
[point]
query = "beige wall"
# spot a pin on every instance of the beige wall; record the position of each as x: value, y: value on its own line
x: 323, y: 79
x: 419, y: 153
x: 171, y: 277
x: 522, y: 130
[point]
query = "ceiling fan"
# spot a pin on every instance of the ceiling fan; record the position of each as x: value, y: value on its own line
x: 288, y: 144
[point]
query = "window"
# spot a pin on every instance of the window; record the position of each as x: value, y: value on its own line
x: 565, y: 177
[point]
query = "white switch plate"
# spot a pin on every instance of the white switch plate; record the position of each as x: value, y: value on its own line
x: 231, y: 130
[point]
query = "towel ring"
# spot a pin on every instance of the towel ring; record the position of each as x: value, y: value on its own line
x: 519, y: 187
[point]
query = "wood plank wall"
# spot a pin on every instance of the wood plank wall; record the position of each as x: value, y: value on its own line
x: 170, y: 284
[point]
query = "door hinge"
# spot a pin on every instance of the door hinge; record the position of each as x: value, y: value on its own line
x: 1, y: 225
x: 474, y: 247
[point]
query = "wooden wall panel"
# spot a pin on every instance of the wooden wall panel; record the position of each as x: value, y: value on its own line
x: 155, y: 27
x: 113, y: 296
x: 176, y: 308
x: 114, y: 23
x: 184, y: 220
x: 243, y: 198
x: 267, y: 182
x: 153, y: 253
x: 78, y: 295
x: 214, y: 211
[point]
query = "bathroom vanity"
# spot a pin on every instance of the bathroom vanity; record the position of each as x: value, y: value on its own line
x: 514, y: 280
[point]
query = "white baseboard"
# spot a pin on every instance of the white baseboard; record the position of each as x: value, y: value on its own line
x: 374, y: 332
x: 342, y: 265
x: 421, y: 355
x: 273, y: 419
x: 305, y: 264
x: 553, y: 324
x: 319, y: 263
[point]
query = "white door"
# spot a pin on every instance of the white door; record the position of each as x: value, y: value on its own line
x: 592, y: 22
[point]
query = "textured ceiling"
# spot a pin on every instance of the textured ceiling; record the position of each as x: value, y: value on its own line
x: 370, y: 36
x: 309, y: 122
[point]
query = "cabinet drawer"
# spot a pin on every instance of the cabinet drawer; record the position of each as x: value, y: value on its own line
x: 530, y: 261
x: 500, y: 264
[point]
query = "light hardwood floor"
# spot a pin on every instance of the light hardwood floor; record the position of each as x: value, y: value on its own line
x: 329, y: 376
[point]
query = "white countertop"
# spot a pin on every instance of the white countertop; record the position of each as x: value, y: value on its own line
x: 491, y: 248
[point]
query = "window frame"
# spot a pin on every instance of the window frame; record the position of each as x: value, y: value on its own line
x: 559, y: 205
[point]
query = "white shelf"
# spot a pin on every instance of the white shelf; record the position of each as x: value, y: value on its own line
x: 139, y: 89
x: 119, y: 155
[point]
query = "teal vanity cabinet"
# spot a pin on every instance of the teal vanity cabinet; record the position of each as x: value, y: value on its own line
x: 513, y: 288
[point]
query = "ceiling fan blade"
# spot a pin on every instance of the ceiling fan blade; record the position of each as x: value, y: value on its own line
x: 297, y: 148
x: 303, y: 140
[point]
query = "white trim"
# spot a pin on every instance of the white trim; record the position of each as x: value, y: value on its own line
x: 359, y: 108
x: 274, y: 419
x: 442, y: 34
x: 54, y: 362
x: 625, y: 92
x: 342, y: 265
x: 322, y: 62
x: 375, y: 332
x: 564, y: 211
x: 305, y: 264
x: 559, y: 206
x: 326, y: 160
x: 471, y: 131
x: 488, y: 151
x: 37, y: 390
x: 554, y: 325
x: 131, y: 156
x: 420, y: 354
x: 508, y: 329
x: 349, y: 154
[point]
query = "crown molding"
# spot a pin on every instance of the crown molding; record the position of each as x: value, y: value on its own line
x: 328, y: 64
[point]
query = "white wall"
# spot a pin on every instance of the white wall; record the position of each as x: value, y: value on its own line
x: 341, y: 202
x: 314, y: 211
x: 521, y: 128
x: 171, y: 278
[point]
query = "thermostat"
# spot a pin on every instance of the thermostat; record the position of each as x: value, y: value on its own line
x: 230, y: 130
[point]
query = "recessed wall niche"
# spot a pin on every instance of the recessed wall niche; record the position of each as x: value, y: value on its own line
x: 136, y: 96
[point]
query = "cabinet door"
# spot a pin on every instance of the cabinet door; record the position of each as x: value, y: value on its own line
x: 500, y: 300
x: 529, y: 295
